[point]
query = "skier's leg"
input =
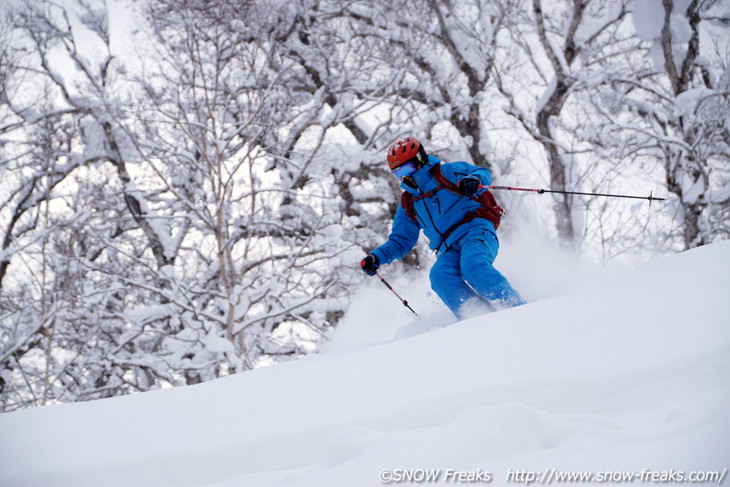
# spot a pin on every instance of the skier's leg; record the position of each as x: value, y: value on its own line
x: 478, y: 251
x: 447, y: 282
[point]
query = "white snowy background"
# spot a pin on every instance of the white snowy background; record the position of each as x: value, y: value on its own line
x: 621, y: 371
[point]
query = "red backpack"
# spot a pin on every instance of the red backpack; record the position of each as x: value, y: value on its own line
x: 490, y: 210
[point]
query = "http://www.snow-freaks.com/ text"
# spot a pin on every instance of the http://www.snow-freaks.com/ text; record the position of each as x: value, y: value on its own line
x: 549, y: 476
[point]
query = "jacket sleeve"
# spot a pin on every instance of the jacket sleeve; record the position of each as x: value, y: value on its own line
x: 403, y: 236
x: 454, y: 171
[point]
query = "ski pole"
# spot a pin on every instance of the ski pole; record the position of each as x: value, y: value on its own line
x: 405, y: 303
x: 541, y: 191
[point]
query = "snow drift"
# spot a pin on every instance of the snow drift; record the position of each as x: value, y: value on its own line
x: 626, y: 375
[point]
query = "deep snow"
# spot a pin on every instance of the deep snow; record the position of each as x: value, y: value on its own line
x: 628, y: 373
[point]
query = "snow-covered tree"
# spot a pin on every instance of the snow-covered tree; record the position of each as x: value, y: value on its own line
x: 70, y: 198
x: 557, y: 56
x: 218, y: 141
x: 682, y: 99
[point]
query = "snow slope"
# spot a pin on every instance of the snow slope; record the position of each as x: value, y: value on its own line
x: 629, y: 374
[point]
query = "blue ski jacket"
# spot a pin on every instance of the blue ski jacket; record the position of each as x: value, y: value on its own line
x: 437, y: 213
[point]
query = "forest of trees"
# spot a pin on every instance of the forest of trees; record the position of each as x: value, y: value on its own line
x: 187, y: 186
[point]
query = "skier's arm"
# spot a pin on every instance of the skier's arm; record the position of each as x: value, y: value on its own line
x: 456, y: 171
x: 403, y: 236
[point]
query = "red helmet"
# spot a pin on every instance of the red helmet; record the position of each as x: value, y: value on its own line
x: 403, y: 150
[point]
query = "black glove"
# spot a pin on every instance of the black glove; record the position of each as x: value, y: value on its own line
x: 370, y: 265
x: 469, y: 185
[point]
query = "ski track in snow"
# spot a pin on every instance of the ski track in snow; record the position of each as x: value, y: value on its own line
x: 629, y: 373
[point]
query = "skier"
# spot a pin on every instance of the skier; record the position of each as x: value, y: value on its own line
x: 459, y: 217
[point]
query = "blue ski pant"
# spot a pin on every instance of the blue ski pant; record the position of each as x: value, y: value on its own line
x: 465, y: 271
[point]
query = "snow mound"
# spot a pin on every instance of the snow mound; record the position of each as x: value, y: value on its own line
x: 624, y: 375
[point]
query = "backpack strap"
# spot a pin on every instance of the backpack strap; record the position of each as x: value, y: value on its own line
x: 406, y: 202
x: 444, y: 182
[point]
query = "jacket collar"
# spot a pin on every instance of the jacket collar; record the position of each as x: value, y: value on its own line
x: 422, y: 176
